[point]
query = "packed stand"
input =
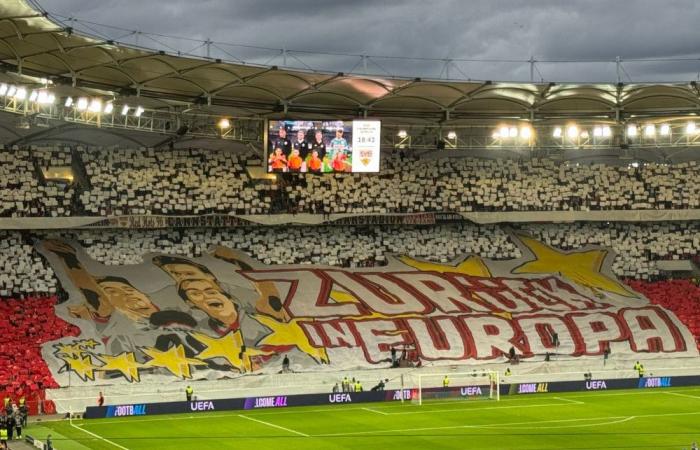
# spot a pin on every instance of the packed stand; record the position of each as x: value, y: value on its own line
x: 22, y: 192
x: 171, y: 182
x: 26, y: 324
x: 470, y: 184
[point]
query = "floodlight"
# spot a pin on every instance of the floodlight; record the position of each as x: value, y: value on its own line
x: 224, y: 124
x: 452, y: 135
x: 607, y: 132
x: 96, y: 105
x: 503, y: 131
x: 125, y: 110
x: 402, y: 134
x: 69, y: 102
x: 33, y: 96
x: 690, y: 128
x: 109, y: 107
x: 598, y: 131
x: 525, y: 132
x: 572, y: 131
x: 3, y: 89
x: 44, y: 98
x: 82, y: 104
x: 665, y: 130
x: 557, y: 132
x: 21, y: 94
x: 649, y: 130
x: 584, y: 134
x: 11, y: 91
x: 139, y: 111
x: 631, y: 130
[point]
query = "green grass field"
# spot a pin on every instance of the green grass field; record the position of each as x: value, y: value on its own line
x: 634, y: 419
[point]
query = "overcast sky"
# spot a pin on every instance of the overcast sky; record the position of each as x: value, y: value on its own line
x: 489, y: 29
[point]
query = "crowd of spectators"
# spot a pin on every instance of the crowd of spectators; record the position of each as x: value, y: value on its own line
x: 637, y: 246
x: 196, y: 181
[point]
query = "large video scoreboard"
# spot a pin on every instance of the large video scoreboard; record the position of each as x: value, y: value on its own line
x: 323, y: 146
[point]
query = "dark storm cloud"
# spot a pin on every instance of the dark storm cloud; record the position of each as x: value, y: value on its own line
x: 502, y: 29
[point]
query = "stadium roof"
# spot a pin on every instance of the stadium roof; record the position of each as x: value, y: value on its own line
x: 32, y: 43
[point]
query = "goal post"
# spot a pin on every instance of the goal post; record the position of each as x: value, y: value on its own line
x: 476, y: 385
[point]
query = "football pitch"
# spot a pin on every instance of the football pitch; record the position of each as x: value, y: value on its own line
x: 630, y: 419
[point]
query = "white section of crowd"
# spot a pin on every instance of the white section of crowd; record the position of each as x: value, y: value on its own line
x: 638, y: 246
x: 195, y: 181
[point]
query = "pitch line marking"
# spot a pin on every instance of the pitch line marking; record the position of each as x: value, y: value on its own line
x: 462, y: 410
x: 376, y: 412
x: 568, y: 400
x: 508, y: 424
x: 279, y: 427
x: 557, y: 427
x: 97, y: 436
x: 696, y: 397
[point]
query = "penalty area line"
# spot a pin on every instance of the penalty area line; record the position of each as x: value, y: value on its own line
x: 279, y: 427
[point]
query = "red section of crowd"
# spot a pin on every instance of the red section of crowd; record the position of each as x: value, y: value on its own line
x: 25, y: 325
x: 680, y: 296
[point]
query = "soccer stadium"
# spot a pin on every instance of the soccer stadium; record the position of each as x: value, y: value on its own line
x: 207, y: 251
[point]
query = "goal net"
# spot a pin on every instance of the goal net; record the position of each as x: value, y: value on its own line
x: 476, y: 385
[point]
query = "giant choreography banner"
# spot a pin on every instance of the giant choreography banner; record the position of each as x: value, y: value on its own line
x: 225, y: 313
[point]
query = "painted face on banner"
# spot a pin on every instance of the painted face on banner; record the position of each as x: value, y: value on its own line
x: 129, y: 300
x: 207, y: 296
x: 181, y: 272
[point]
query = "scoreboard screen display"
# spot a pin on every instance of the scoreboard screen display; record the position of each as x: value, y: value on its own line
x: 323, y: 146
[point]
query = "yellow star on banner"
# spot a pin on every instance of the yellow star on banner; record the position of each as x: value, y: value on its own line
x: 289, y: 333
x: 82, y: 366
x: 90, y: 343
x: 227, y: 347
x: 125, y: 363
x: 473, y: 266
x: 71, y: 350
x: 173, y: 359
x: 580, y: 267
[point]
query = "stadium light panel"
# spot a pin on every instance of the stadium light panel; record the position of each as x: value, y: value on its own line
x: 82, y: 104
x: 503, y: 131
x: 3, y: 89
x: 598, y: 132
x: 21, y: 94
x: 525, y: 132
x: 452, y: 135
x: 139, y: 111
x: 512, y: 132
x: 631, y: 130
x: 607, y: 132
x: 690, y: 128
x: 11, y: 91
x: 665, y: 130
x: 96, y: 105
x: 125, y: 110
x: 109, y: 107
x: 557, y: 132
x: 44, y: 98
x: 572, y: 131
x: 402, y: 134
x: 69, y: 102
x: 224, y: 124
x: 649, y: 130
x: 33, y: 96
